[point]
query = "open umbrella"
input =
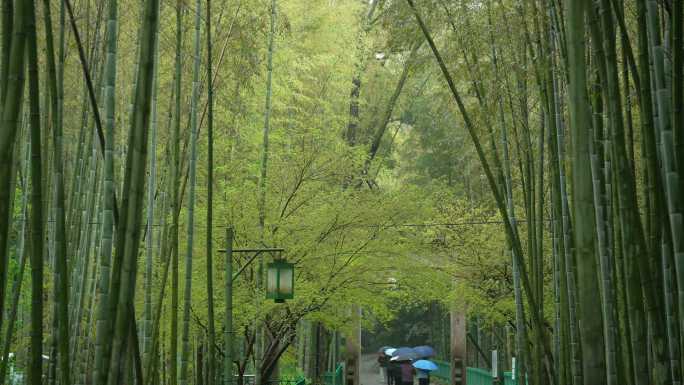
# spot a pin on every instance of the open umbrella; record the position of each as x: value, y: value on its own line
x: 404, y: 354
x: 424, y: 351
x: 388, y: 352
x: 403, y: 358
x: 425, y: 365
x: 384, y: 349
x: 403, y: 351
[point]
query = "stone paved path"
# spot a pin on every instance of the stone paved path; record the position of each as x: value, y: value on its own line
x: 370, y: 373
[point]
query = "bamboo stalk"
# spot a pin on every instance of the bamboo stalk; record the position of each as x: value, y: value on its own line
x: 511, y: 235
x: 175, y: 205
x: 128, y: 231
x: 211, y: 332
x: 185, y: 349
x: 11, y: 96
x: 37, y: 256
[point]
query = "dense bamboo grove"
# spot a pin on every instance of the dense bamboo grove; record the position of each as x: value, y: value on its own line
x: 519, y: 161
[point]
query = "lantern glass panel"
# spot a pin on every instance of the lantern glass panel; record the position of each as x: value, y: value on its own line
x: 286, y: 280
x: 272, y: 281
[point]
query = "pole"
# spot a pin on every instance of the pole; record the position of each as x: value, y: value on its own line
x: 228, y: 333
x: 458, y: 347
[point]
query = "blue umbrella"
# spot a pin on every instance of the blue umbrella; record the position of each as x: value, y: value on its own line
x: 384, y: 348
x: 424, y: 351
x: 404, y: 351
x: 425, y: 365
x: 404, y: 354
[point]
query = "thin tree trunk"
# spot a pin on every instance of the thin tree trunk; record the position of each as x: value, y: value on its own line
x: 359, y: 66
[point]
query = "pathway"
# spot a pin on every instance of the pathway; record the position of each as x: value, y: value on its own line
x: 370, y: 373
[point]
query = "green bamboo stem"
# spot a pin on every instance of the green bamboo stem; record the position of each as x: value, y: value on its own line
x: 560, y: 217
x: 84, y: 252
x: 510, y: 233
x: 636, y: 318
x: 677, y: 25
x: 129, y: 229
x: 12, y: 97
x: 669, y: 119
x: 261, y: 204
x: 211, y: 332
x: 151, y: 363
x: 677, y: 221
x: 6, y: 48
x: 599, y: 16
x: 151, y: 192
x: 175, y: 206
x: 605, y: 263
x: 591, y: 333
x: 21, y: 255
x: 82, y: 343
x: 670, y: 311
x: 185, y: 338
x: 522, y: 352
x: 61, y: 283
x: 631, y: 226
x: 104, y: 322
x: 37, y: 257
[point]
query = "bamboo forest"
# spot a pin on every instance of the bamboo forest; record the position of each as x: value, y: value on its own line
x: 342, y: 192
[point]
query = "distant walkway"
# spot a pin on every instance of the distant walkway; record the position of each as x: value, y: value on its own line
x: 370, y: 372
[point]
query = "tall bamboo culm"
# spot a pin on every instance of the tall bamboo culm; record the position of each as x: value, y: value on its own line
x: 37, y: 235
x: 211, y: 328
x: 185, y: 349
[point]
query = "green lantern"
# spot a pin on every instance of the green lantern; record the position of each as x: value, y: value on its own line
x: 280, y: 281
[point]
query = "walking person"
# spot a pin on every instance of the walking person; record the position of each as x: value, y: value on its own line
x: 407, y: 372
x: 383, y: 361
x: 423, y: 368
x: 423, y: 377
x: 393, y: 373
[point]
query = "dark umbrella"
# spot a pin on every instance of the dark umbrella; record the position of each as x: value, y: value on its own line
x: 424, y: 351
x: 405, y: 358
x: 404, y: 354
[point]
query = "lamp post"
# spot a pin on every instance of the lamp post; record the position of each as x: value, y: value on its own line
x: 279, y: 289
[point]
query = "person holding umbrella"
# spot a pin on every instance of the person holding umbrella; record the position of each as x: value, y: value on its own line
x: 424, y: 368
x: 407, y: 372
x: 390, y: 366
x: 423, y: 377
x: 383, y: 361
x: 393, y: 372
x: 403, y: 370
